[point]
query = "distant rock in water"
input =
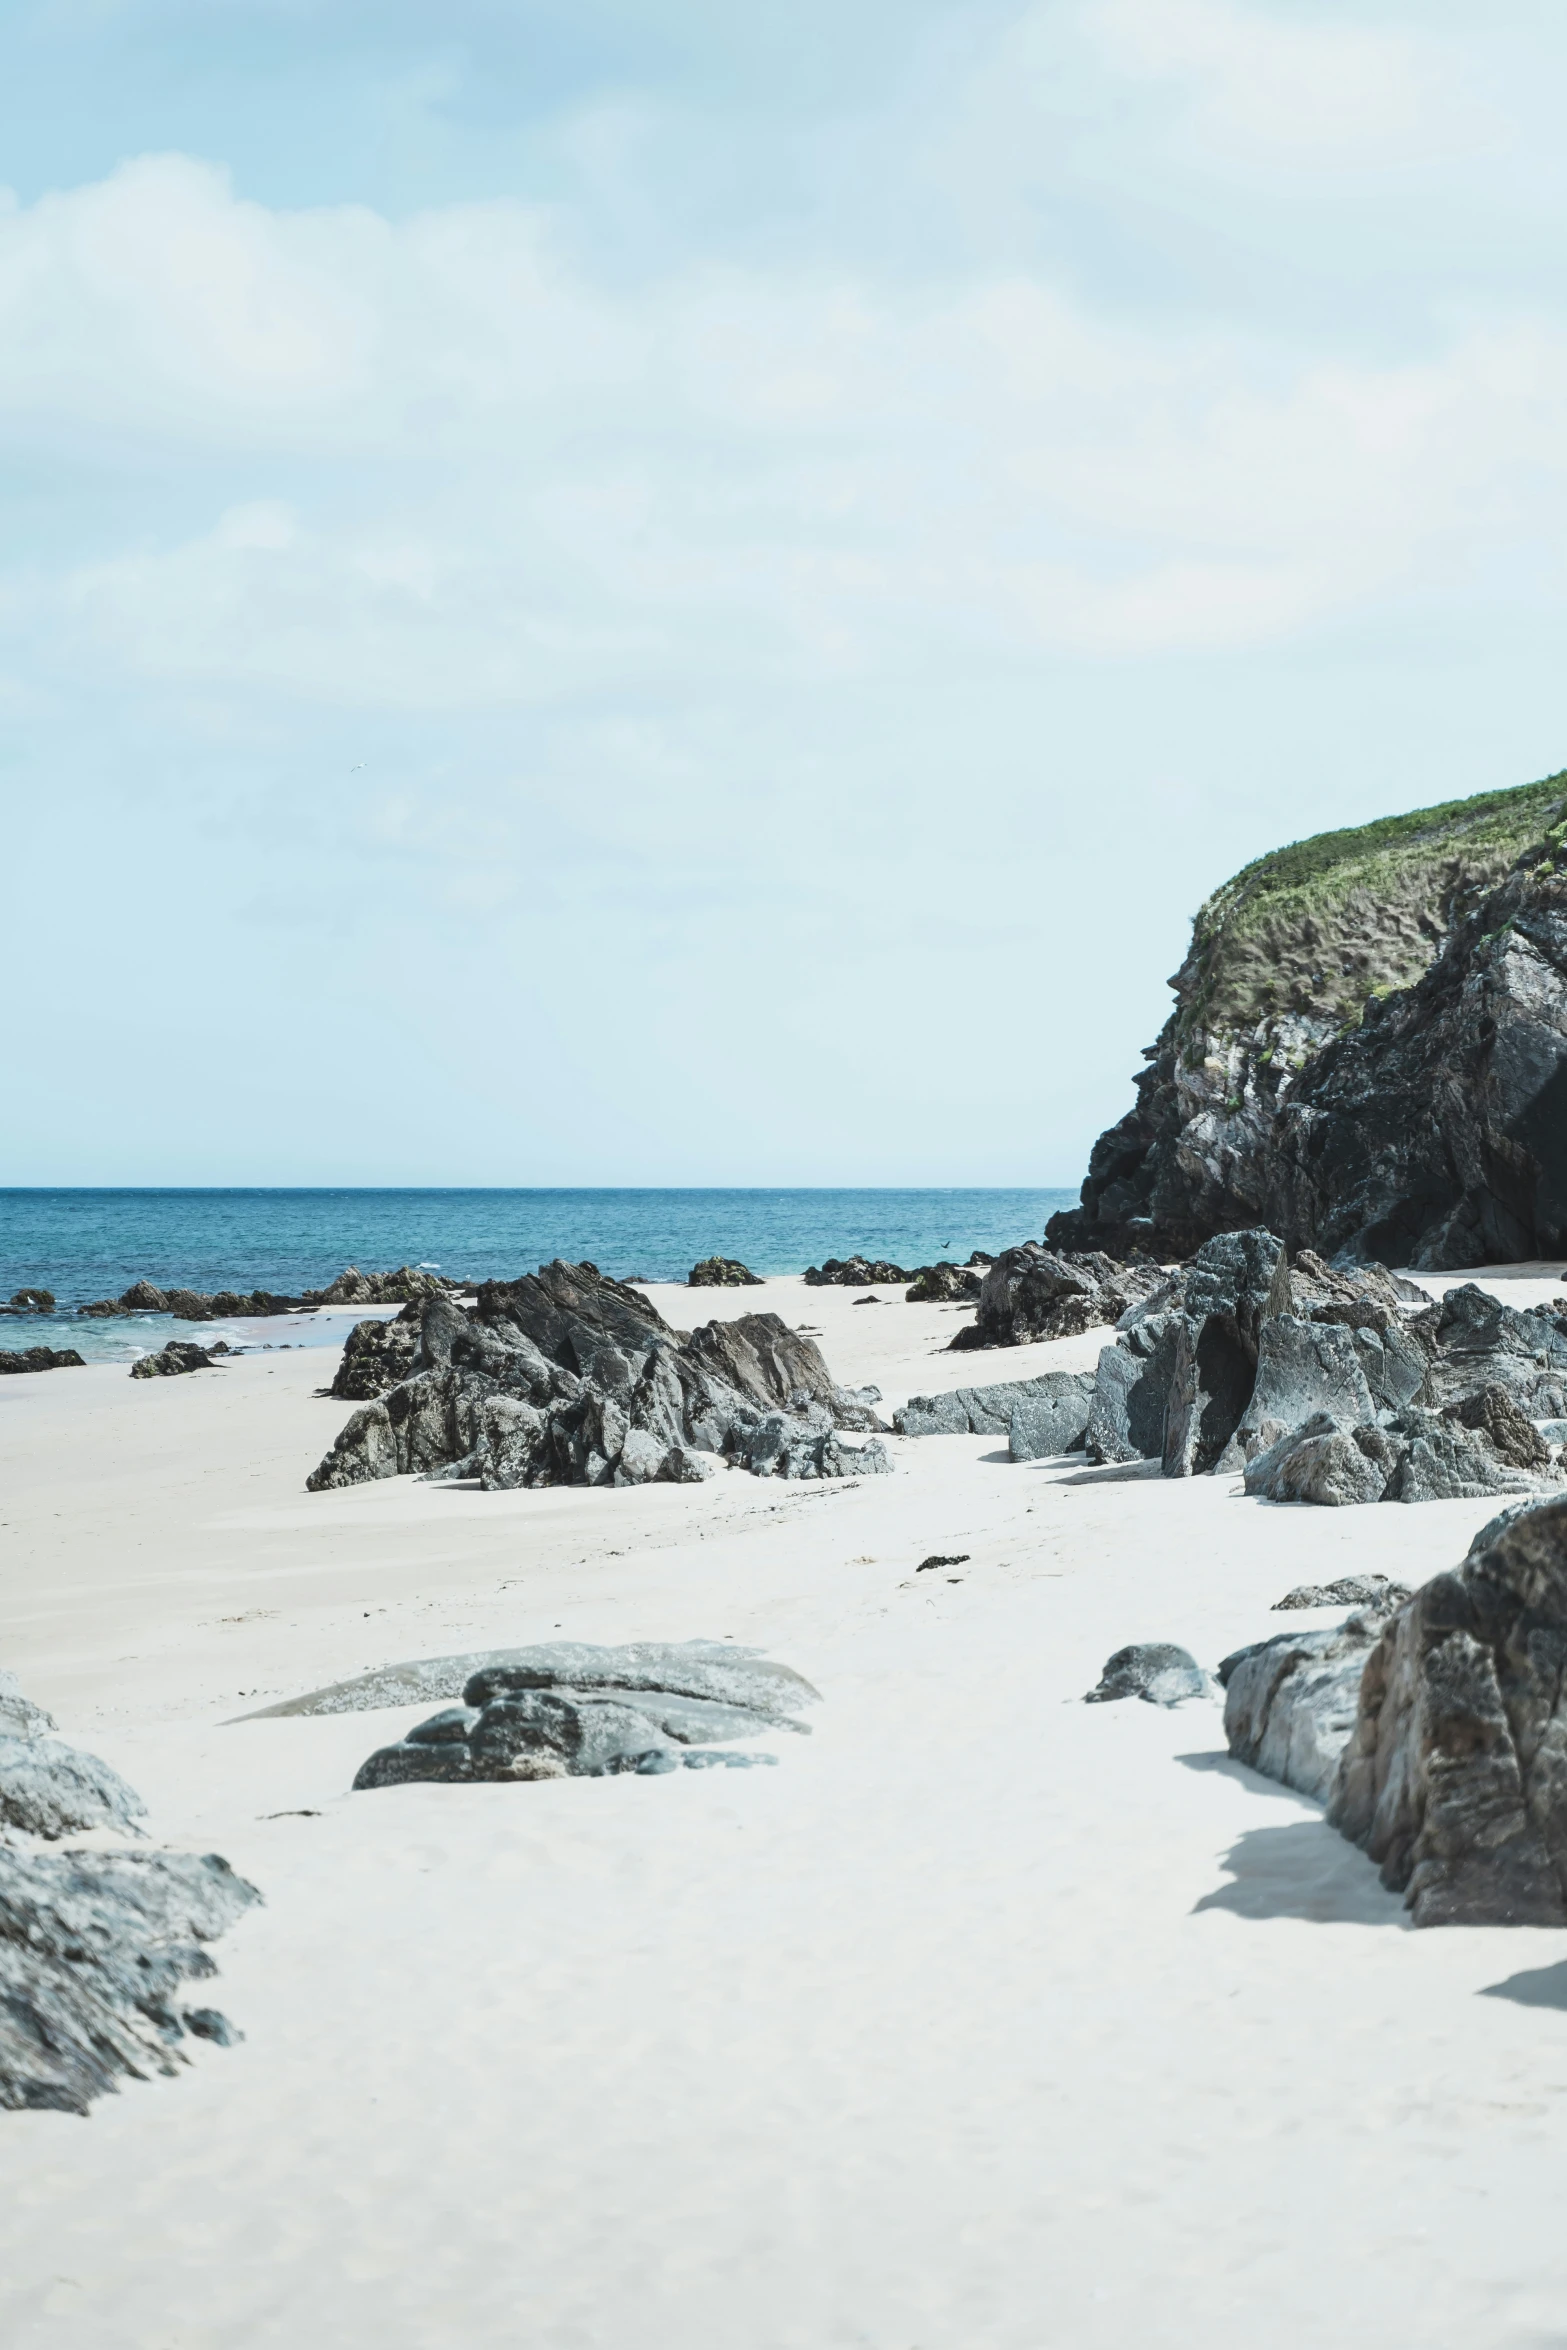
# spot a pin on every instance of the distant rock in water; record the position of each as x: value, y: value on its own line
x: 567, y: 1378
x: 1368, y: 1052
x: 853, y: 1273
x: 40, y: 1358
x: 722, y: 1273
x: 1029, y: 1294
x: 30, y: 1301
x: 568, y: 1710
x: 173, y: 1360
x: 351, y: 1288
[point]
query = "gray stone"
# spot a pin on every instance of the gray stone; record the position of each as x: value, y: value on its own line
x: 1029, y: 1294
x: 376, y: 1355
x: 1513, y: 1436
x: 1414, y: 1456
x: 1043, y: 1426
x: 1126, y: 1414
x: 1302, y: 1368
x: 1153, y: 1670
x: 1376, y: 1592
x: 1290, y: 1702
x: 1234, y: 1284
x: 1318, y: 1462
x: 93, y: 1949
x: 1454, y: 1779
x: 172, y: 1361
x: 51, y: 1790
x: 19, y: 1717
x: 1060, y: 1400
x: 721, y: 1670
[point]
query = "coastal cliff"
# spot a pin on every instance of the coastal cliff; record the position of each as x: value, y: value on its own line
x: 1368, y: 1051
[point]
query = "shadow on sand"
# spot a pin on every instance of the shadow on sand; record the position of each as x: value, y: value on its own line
x: 1308, y: 1871
x: 1539, y: 1986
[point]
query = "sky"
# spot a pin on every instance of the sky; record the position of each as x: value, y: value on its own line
x: 648, y: 591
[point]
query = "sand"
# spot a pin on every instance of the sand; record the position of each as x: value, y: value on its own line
x: 986, y: 2018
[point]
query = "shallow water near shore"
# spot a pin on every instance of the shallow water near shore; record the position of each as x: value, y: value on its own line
x: 83, y: 1245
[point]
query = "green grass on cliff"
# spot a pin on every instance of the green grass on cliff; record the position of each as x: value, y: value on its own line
x: 1323, y: 924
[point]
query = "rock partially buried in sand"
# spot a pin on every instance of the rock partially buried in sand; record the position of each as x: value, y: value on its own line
x: 722, y: 1273
x: 1155, y: 1671
x: 568, y: 1710
x: 173, y: 1360
x: 1290, y: 1702
x: 1048, y: 1413
x: 1348, y: 1591
x: 40, y: 1358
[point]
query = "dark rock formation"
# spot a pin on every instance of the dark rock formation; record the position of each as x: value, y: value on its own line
x: 568, y: 1378
x: 1028, y: 1294
x: 1290, y: 1702
x: 40, y: 1358
x: 853, y: 1273
x: 1235, y: 1283
x: 568, y: 1710
x: 30, y: 1301
x: 722, y: 1273
x: 1475, y: 1341
x: 171, y: 1361
x: 1408, y: 1456
x: 1040, y: 1416
x: 1453, y: 1778
x: 407, y: 1284
x: 1154, y: 1671
x: 1373, y: 1591
x: 943, y: 1285
x: 376, y: 1356
x: 1368, y: 1051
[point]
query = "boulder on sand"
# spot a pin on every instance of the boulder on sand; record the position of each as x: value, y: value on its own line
x: 1028, y: 1295
x: 1154, y: 1670
x: 40, y: 1358
x: 173, y: 1360
x: 569, y: 1710
x: 377, y: 1355
x: 854, y: 1273
x: 943, y: 1285
x: 1453, y: 1777
x: 1290, y: 1702
x: 722, y: 1273
x: 1049, y: 1412
x: 1408, y: 1456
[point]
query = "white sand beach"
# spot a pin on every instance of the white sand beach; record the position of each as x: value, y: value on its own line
x: 986, y: 2021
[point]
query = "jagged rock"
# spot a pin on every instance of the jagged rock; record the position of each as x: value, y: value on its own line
x: 51, y: 1790
x: 854, y: 1273
x: 617, y: 1401
x: 1516, y: 1439
x: 1056, y: 1402
x: 1290, y: 1702
x: 1302, y: 1368
x: 1233, y: 1285
x: 943, y: 1284
x: 1475, y: 1342
x: 722, y: 1273
x: 1153, y: 1670
x: 1373, y: 1591
x: 1365, y: 1052
x: 40, y: 1358
x: 30, y: 1301
x: 1453, y: 1779
x: 376, y: 1356
x: 1131, y: 1396
x: 1412, y: 1456
x: 409, y: 1283
x: 568, y: 1710
x: 172, y: 1361
x: 1028, y: 1294
x: 93, y: 1949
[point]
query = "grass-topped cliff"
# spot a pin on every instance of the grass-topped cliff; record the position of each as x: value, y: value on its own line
x: 1318, y: 927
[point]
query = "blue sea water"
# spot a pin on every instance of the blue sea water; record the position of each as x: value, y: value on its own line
x: 92, y: 1244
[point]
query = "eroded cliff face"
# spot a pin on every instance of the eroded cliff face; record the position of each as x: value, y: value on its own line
x: 1366, y: 1054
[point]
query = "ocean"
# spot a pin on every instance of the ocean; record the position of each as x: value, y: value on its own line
x: 91, y: 1244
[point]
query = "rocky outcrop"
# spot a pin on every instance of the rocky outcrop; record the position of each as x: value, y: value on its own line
x: 1039, y: 1417
x: 1374, y: 1591
x: 1028, y: 1294
x: 94, y: 1945
x: 1452, y: 1779
x: 173, y: 1360
x: 1407, y: 1456
x: 1368, y: 1052
x: 722, y: 1273
x: 408, y: 1284
x: 1234, y: 1285
x: 568, y: 1378
x: 1153, y: 1670
x: 854, y: 1273
x: 1290, y: 1703
x: 569, y: 1710
x: 40, y: 1358
x: 377, y: 1355
x: 30, y: 1301
x: 191, y: 1305
x: 945, y: 1284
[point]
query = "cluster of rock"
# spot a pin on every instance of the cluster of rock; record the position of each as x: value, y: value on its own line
x: 30, y: 1301
x: 946, y: 1284
x: 94, y: 1945
x: 1029, y: 1294
x: 568, y: 1710
x: 176, y: 1358
x: 351, y: 1288
x: 40, y: 1358
x: 566, y: 1377
x: 854, y: 1273
x: 722, y: 1273
x: 1432, y: 1727
x: 376, y: 1355
x: 1328, y: 1385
